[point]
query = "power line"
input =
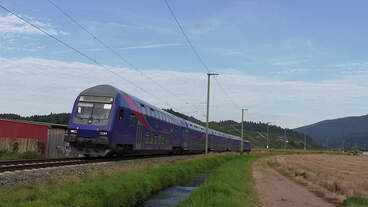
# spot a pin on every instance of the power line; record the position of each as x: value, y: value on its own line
x: 72, y: 48
x: 194, y: 50
x: 228, y: 96
x: 110, y: 48
x: 186, y: 36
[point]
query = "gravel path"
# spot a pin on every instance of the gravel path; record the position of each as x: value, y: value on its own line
x: 275, y: 190
x: 56, y: 173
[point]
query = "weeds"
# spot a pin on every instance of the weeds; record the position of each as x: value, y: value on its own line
x: 19, y: 156
x: 303, y: 174
x: 125, y: 189
x: 355, y: 202
x: 230, y: 185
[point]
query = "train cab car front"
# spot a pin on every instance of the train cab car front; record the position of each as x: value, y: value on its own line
x: 89, y: 129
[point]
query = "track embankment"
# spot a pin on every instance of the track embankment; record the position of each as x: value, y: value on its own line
x: 40, y: 171
x: 110, y: 186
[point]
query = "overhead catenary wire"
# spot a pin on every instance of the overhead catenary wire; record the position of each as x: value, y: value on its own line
x: 75, y: 49
x: 190, y: 44
x: 186, y: 36
x: 111, y: 49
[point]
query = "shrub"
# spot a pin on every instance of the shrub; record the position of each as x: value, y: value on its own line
x: 355, y: 201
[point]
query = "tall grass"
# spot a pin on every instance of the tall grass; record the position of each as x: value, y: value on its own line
x: 123, y: 189
x: 230, y: 185
x: 19, y: 156
x: 355, y: 201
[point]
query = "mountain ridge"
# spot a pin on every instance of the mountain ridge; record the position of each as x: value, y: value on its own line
x: 346, y: 132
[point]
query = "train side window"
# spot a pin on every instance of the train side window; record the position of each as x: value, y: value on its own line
x: 148, y: 112
x: 144, y: 111
x: 121, y: 114
x: 133, y: 119
x: 147, y: 138
x: 156, y: 139
x: 151, y: 139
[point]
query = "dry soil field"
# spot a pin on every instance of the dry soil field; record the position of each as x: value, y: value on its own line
x: 342, y: 175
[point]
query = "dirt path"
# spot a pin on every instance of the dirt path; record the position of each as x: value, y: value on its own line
x: 275, y: 190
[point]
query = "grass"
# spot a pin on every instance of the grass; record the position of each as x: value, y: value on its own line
x: 298, y: 151
x: 230, y: 185
x: 19, y: 156
x: 303, y: 174
x: 127, y: 188
x: 355, y: 202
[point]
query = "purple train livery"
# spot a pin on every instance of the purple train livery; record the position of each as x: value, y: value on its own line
x: 106, y: 121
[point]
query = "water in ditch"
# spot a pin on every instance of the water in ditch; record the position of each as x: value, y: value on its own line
x: 171, y: 196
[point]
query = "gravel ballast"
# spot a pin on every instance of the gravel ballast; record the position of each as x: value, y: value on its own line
x: 56, y: 173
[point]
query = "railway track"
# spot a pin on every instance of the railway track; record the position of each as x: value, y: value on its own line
x: 18, y: 165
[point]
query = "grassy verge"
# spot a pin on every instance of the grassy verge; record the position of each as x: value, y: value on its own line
x: 123, y: 189
x: 19, y: 156
x: 355, y: 202
x: 230, y: 185
x: 297, y: 151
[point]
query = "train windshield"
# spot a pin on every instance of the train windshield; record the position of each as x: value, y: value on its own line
x: 88, y: 112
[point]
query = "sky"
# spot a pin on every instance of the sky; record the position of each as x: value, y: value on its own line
x: 291, y: 63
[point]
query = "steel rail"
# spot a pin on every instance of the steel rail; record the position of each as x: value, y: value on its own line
x: 19, y: 165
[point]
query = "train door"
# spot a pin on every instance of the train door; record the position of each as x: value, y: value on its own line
x: 139, y: 136
x: 171, y: 136
x: 229, y: 144
x: 185, y: 136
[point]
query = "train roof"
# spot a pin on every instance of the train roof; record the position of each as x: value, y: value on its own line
x: 102, y: 90
x: 108, y: 90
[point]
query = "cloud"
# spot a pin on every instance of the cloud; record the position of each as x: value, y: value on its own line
x: 26, y: 48
x: 204, y: 27
x: 352, y: 68
x: 150, y: 46
x: 231, y: 52
x: 10, y: 24
x: 289, y: 62
x: 39, y: 86
x: 149, y: 27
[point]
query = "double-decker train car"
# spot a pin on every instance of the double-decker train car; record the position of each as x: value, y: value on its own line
x: 106, y: 121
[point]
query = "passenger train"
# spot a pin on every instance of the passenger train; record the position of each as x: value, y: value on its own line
x: 106, y: 121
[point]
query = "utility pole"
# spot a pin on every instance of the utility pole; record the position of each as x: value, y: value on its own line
x: 208, y: 108
x: 305, y: 142
x: 268, y: 135
x: 285, y: 139
x: 242, y: 128
x: 327, y: 143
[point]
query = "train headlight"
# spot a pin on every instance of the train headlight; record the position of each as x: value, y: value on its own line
x: 103, y: 133
x: 73, y: 131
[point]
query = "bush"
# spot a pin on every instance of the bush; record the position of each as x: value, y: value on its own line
x: 355, y: 201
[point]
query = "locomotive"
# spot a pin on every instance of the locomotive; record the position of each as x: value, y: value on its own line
x: 106, y: 121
